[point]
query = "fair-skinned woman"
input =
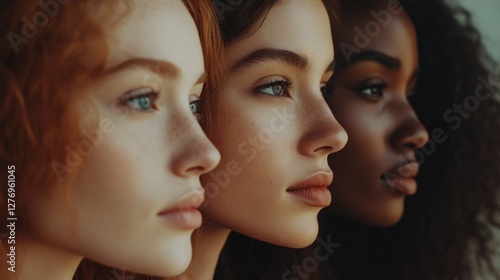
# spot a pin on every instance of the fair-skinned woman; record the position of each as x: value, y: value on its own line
x: 106, y: 127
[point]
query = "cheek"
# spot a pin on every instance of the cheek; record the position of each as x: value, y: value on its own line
x: 106, y: 173
x: 120, y: 174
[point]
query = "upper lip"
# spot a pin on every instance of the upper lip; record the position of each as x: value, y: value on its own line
x: 321, y: 179
x: 191, y: 200
x: 406, y: 170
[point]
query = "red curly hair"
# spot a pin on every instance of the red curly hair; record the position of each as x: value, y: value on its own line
x: 44, y: 52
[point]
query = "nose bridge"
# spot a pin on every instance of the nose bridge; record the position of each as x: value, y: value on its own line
x: 408, y: 132
x: 194, y: 153
x: 323, y: 134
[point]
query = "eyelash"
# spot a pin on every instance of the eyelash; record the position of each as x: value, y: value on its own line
x: 137, y: 94
x: 380, y: 87
x: 286, y: 84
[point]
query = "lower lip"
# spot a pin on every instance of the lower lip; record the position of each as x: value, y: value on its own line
x: 183, y: 218
x: 406, y: 186
x: 317, y: 197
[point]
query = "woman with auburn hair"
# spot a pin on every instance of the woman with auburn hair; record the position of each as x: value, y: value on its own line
x: 205, y: 19
x: 446, y: 228
x: 102, y: 146
x: 272, y: 126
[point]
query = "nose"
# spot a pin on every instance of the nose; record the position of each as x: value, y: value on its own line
x: 409, y: 134
x: 323, y: 134
x: 195, y: 154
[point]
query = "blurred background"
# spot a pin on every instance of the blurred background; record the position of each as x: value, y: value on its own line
x: 486, y: 16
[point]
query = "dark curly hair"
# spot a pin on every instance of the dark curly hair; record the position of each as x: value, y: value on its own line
x: 446, y: 231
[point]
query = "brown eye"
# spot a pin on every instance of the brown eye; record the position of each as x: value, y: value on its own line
x: 372, y: 89
x: 327, y: 90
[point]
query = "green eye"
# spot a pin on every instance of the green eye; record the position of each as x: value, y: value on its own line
x: 277, y: 88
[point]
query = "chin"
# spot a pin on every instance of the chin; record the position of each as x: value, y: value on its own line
x: 382, y: 219
x: 179, y: 257
x: 291, y: 236
x: 169, y: 260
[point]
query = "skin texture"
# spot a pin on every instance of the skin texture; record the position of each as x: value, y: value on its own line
x: 371, y: 101
x: 271, y: 142
x: 147, y: 159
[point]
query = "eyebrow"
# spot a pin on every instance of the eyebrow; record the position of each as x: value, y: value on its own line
x: 164, y: 68
x: 269, y: 54
x: 375, y: 56
x: 157, y: 66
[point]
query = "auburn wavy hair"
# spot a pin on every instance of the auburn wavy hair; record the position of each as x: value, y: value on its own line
x: 42, y: 64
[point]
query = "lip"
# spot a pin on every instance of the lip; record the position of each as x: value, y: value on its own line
x: 314, y: 189
x: 185, y: 214
x: 402, y: 178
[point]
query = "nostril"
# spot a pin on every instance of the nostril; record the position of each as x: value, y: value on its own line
x: 327, y: 149
x: 196, y: 170
x: 412, y: 146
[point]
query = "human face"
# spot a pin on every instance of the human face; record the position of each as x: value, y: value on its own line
x: 133, y: 202
x: 274, y: 130
x: 376, y: 170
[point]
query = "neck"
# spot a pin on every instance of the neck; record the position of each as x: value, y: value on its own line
x: 36, y: 260
x: 209, y: 243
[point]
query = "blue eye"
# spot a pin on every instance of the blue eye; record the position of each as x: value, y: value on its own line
x: 143, y: 103
x: 277, y: 88
x: 142, y: 99
x: 196, y: 107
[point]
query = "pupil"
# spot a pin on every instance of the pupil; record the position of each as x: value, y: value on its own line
x: 144, y: 103
x: 277, y: 89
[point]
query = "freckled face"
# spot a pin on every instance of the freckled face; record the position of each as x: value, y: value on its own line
x: 375, y: 171
x: 133, y: 202
x: 274, y: 130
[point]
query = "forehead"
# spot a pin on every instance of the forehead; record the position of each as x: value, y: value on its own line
x: 301, y: 26
x: 393, y: 33
x: 156, y: 30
